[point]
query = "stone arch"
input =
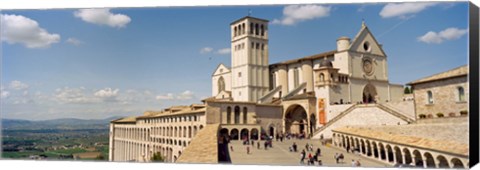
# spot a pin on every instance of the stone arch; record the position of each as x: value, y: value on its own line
x: 195, y: 130
x: 429, y: 160
x: 369, y: 93
x: 201, y: 127
x: 442, y: 162
x: 234, y: 134
x: 313, y: 122
x: 237, y: 115
x: 229, y: 115
x: 189, y: 131
x: 362, y: 147
x: 254, y: 134
x: 389, y: 153
x: 382, y: 152
x: 296, y: 119
x: 245, y: 115
x: 407, y: 156
x: 224, y: 133
x: 244, y: 134
x: 456, y: 163
x: 397, y: 154
x: 369, y: 148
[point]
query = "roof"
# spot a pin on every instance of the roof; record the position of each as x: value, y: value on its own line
x: 414, y: 141
x: 264, y: 20
x: 456, y: 72
x: 312, y: 57
x: 131, y: 119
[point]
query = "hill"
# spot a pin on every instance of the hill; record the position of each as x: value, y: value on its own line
x: 64, y: 123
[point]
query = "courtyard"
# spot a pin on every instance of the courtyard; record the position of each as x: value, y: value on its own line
x: 279, y: 154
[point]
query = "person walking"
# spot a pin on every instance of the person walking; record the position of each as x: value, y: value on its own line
x: 258, y: 145
x: 248, y: 149
x: 354, y: 164
x: 302, y: 156
x: 336, y: 157
x: 310, y: 158
x: 294, y: 147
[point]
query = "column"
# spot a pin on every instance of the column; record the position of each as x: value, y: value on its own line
x: 372, y: 153
x: 424, y: 163
x: 414, y: 163
x: 394, y: 156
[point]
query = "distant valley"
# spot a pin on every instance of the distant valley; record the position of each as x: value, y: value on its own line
x: 66, y: 123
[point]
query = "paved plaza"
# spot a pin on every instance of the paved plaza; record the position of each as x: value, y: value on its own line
x: 280, y: 154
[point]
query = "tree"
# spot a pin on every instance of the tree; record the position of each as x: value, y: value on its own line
x: 157, y: 157
x: 407, y: 90
x: 100, y: 157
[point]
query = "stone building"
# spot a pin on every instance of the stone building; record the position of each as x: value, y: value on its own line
x: 442, y: 95
x: 309, y: 96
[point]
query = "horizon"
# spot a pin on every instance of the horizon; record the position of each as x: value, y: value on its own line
x: 89, y: 64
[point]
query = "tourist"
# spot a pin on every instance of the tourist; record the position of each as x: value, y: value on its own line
x: 341, y: 157
x: 336, y: 157
x: 306, y: 146
x: 310, y: 158
x: 290, y: 149
x: 358, y: 163
x: 231, y: 148
x: 294, y: 147
x: 320, y: 163
x: 265, y: 144
x: 354, y: 164
x: 311, y: 147
x: 319, y: 152
x: 258, y: 145
x: 248, y: 149
x: 302, y: 156
x: 253, y: 143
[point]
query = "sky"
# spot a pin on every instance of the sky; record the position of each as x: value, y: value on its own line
x: 98, y: 63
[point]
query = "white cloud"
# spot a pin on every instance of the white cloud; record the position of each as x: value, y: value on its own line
x: 17, y: 85
x: 168, y: 96
x: 74, y: 41
x: 182, y: 96
x: 186, y: 95
x: 72, y: 95
x: 206, y: 50
x: 5, y: 94
x: 103, y: 17
x: 223, y: 51
x: 293, y: 14
x: 404, y: 10
x: 23, y: 30
x: 447, y: 34
x: 107, y: 94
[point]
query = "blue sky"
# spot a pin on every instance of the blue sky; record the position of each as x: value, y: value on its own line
x: 123, y: 61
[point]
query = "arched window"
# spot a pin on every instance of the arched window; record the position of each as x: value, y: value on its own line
x: 461, y: 94
x: 256, y: 29
x: 221, y: 84
x: 235, y: 31
x: 245, y: 111
x: 229, y: 115
x: 251, y: 28
x: 262, y: 31
x: 243, y: 28
x: 429, y: 97
x: 237, y: 115
x: 322, y: 77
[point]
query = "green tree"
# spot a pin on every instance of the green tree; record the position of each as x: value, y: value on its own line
x: 407, y: 90
x: 157, y: 157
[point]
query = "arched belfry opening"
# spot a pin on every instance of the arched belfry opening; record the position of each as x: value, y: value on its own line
x: 296, y: 121
x: 369, y: 94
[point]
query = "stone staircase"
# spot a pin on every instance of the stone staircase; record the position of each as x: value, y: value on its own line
x: 203, y: 147
x: 395, y: 113
x: 269, y: 96
x: 348, y: 110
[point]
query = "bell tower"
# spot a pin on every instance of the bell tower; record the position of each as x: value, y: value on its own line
x: 249, y: 47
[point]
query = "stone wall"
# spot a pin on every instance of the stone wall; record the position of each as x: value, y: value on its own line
x: 407, y: 108
x: 445, y: 97
x: 362, y: 115
x: 334, y: 110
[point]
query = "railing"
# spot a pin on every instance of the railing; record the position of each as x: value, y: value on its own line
x: 395, y: 113
x: 295, y: 90
x: 269, y: 95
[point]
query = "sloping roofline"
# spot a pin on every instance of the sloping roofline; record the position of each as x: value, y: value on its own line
x: 264, y: 20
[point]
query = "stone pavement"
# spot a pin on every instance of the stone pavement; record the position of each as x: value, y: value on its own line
x: 280, y: 154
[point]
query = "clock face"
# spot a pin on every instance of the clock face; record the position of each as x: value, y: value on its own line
x: 367, y: 66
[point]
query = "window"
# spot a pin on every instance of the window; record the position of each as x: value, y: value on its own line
x: 322, y: 77
x: 295, y: 78
x: 256, y: 29
x: 243, y: 28
x: 251, y: 28
x: 245, y: 111
x: 461, y: 94
x: 262, y: 31
x: 429, y: 97
x: 221, y: 84
x: 239, y: 74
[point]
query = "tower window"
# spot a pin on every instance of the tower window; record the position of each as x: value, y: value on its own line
x: 262, y: 31
x: 251, y: 28
x: 243, y: 28
x: 256, y: 29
